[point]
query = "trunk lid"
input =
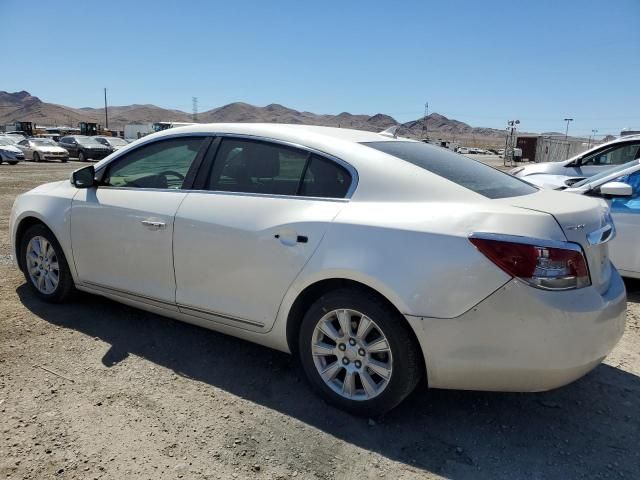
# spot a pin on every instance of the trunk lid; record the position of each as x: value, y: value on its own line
x: 581, y: 219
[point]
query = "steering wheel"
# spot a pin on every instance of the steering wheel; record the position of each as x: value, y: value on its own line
x: 178, y: 175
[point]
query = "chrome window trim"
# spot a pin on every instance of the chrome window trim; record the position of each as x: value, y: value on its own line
x: 350, y: 168
x: 536, y: 242
x: 125, y: 151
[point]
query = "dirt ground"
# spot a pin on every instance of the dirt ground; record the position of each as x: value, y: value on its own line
x: 95, y: 389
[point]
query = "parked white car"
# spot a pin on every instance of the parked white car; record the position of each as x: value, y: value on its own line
x: 9, y: 152
x: 586, y: 164
x: 378, y: 260
x: 620, y: 186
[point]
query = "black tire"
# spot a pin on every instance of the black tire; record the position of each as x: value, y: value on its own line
x: 36, y: 157
x: 81, y: 156
x: 407, y: 365
x: 65, y: 287
x: 11, y: 163
x: 64, y: 160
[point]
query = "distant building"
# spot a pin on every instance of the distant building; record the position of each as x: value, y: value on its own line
x: 548, y: 148
x: 134, y: 131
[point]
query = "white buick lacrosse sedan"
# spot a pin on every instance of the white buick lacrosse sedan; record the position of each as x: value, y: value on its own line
x: 378, y: 260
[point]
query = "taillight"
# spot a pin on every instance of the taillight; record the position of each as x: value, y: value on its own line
x: 540, y: 265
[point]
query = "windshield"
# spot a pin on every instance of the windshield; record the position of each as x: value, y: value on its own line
x: 606, y: 173
x: 116, y: 141
x: 90, y: 141
x: 6, y: 142
x: 466, y: 172
x: 43, y: 141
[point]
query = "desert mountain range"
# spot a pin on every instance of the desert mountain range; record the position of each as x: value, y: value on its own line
x: 22, y: 106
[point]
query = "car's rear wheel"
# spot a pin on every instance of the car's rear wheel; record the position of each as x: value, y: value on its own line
x: 44, y: 265
x: 358, y: 352
x: 36, y: 157
x: 81, y: 156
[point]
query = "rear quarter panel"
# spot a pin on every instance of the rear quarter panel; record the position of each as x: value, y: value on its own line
x: 418, y: 254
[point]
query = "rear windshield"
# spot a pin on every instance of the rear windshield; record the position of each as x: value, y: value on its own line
x: 469, y: 173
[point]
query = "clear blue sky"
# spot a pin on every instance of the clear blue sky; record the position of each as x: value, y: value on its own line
x: 482, y: 62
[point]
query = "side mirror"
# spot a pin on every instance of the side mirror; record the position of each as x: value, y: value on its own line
x: 616, y: 189
x: 84, y: 177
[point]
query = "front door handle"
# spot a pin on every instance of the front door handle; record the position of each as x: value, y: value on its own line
x: 154, y: 224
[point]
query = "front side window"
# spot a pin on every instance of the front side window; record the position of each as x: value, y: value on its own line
x: 464, y: 171
x: 615, y: 155
x: 163, y: 164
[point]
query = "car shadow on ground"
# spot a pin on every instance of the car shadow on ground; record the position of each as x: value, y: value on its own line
x: 587, y: 429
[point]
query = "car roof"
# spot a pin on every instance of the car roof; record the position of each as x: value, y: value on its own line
x: 280, y: 130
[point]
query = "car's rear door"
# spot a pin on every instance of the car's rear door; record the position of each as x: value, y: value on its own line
x: 240, y: 241
x: 122, y: 231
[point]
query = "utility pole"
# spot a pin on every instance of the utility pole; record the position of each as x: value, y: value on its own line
x: 566, y: 132
x: 425, y: 128
x: 593, y: 134
x: 195, y: 108
x: 106, y: 116
x: 509, y: 143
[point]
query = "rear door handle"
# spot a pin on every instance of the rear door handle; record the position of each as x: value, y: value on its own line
x: 291, y: 238
x: 154, y: 224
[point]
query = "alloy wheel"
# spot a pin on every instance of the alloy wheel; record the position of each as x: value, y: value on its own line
x: 352, y: 354
x: 42, y: 265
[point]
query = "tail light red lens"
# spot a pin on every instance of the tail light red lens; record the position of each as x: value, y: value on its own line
x: 542, y: 266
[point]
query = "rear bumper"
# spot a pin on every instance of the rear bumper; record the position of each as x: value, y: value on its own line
x: 521, y: 339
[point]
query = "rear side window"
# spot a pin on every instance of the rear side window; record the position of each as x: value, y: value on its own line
x: 324, y: 178
x: 466, y: 172
x: 250, y: 166
x: 257, y: 167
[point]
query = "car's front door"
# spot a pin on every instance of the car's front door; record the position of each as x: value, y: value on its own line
x: 240, y: 242
x: 625, y: 248
x: 122, y: 230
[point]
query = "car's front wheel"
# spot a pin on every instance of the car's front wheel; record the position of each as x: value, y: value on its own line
x: 44, y: 265
x: 36, y: 157
x: 358, y: 352
x: 11, y: 163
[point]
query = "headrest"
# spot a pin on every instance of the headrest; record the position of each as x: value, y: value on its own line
x: 262, y: 161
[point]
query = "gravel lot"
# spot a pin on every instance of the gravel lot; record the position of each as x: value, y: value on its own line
x: 95, y: 389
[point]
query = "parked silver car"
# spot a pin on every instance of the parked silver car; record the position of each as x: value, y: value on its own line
x: 37, y: 149
x: 586, y: 164
x: 114, y: 143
